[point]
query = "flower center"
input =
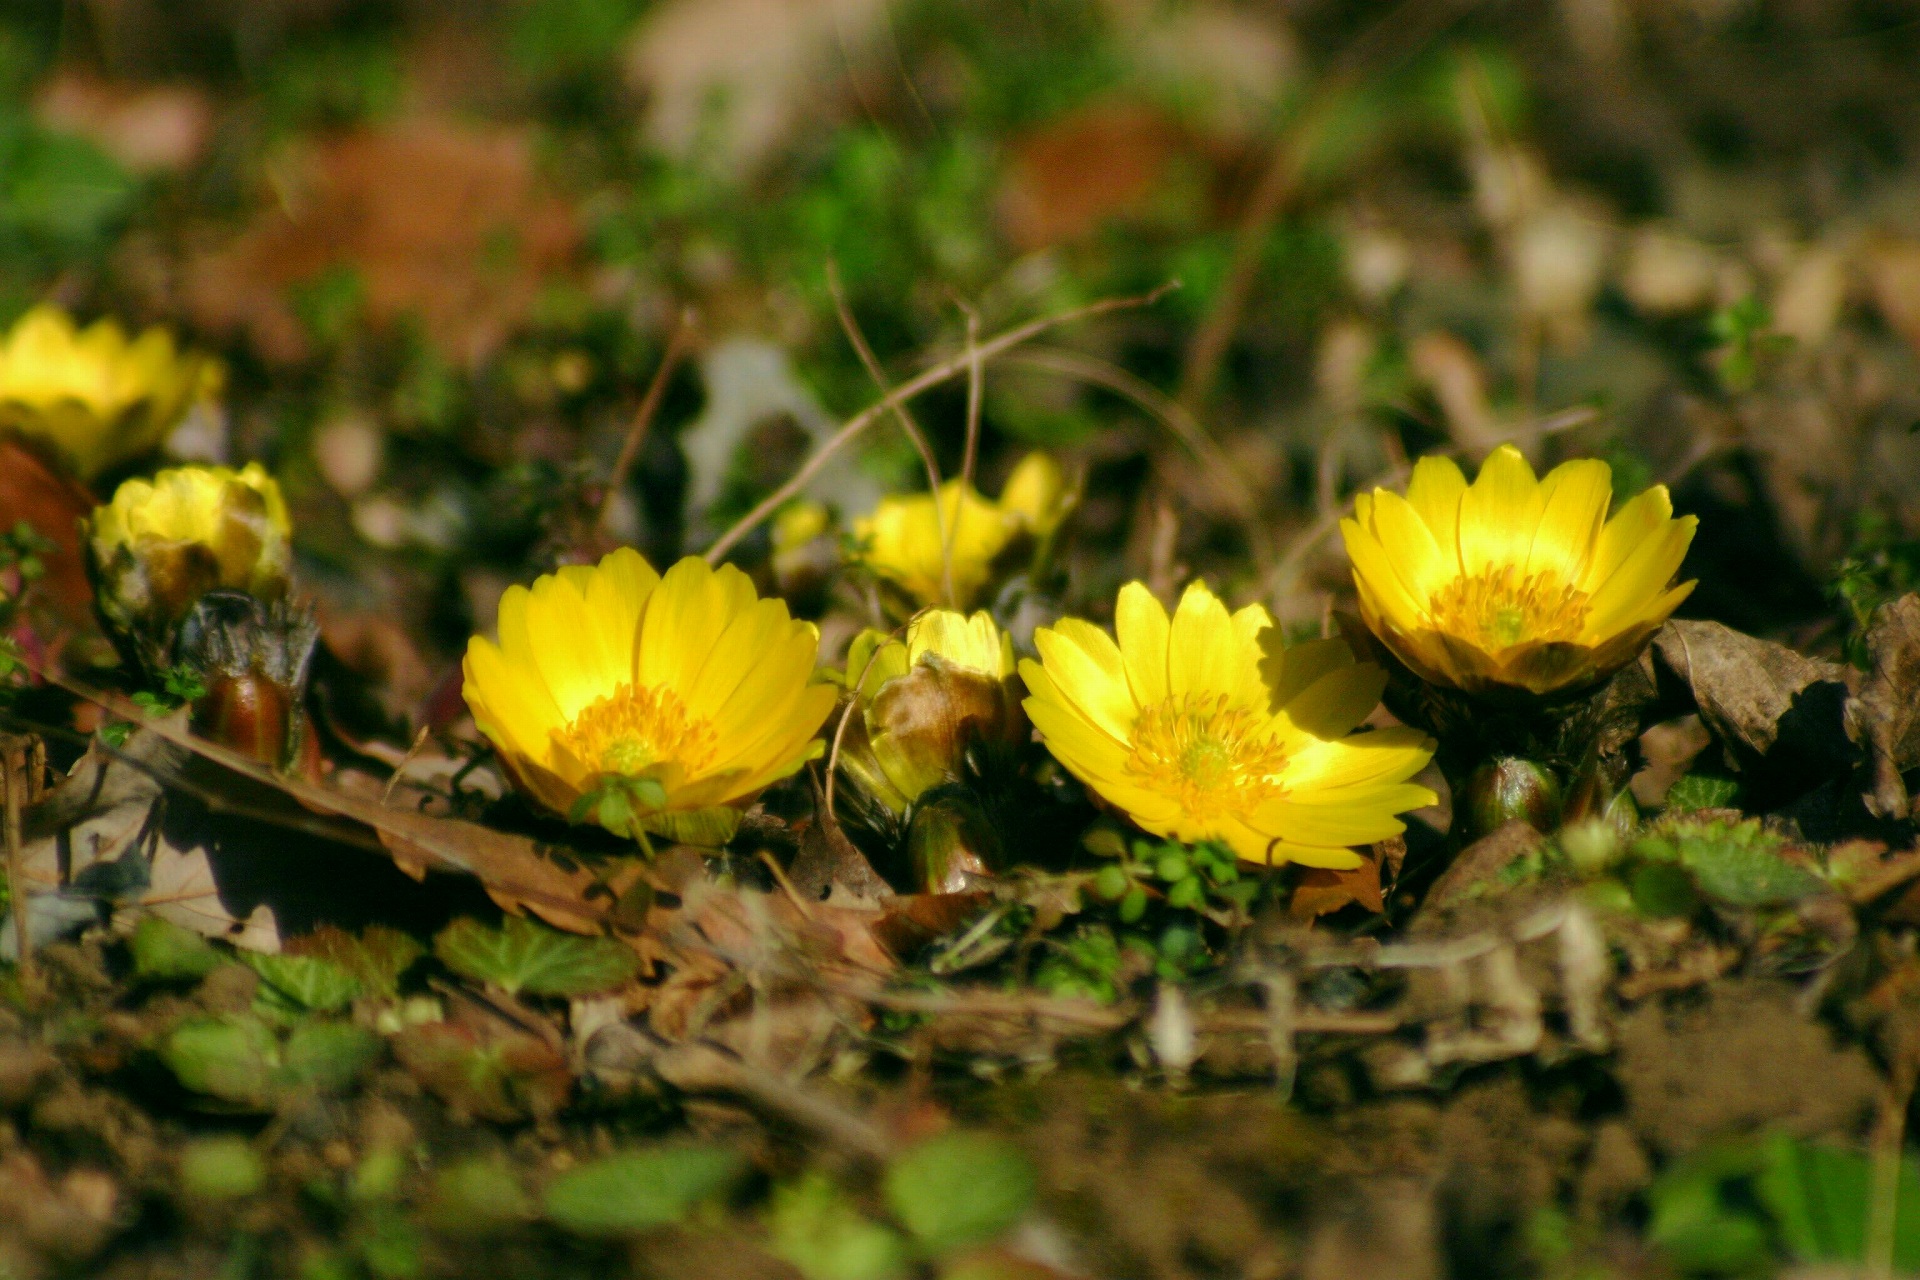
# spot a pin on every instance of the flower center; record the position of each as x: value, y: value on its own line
x: 631, y: 730
x: 1210, y: 754
x: 1501, y: 607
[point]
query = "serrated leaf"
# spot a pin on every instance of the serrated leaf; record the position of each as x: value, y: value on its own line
x: 292, y: 986
x: 960, y: 1188
x: 1701, y: 791
x: 507, y: 1079
x: 521, y: 956
x: 638, y: 1191
x: 377, y: 959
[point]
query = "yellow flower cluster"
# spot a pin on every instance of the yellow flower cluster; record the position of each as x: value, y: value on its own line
x: 902, y: 540
x: 93, y: 394
x: 1199, y: 725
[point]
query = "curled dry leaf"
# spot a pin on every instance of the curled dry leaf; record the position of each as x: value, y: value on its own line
x: 1322, y: 891
x: 1884, y: 716
x: 1762, y: 699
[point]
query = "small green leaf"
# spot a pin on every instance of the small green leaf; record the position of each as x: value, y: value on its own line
x: 292, y: 985
x: 1820, y: 1198
x: 1746, y: 874
x: 164, y: 952
x: 639, y: 1190
x: 1662, y: 890
x: 228, y: 1059
x: 327, y: 1056
x: 377, y: 959
x: 523, y: 956
x: 823, y: 1234
x: 960, y: 1188
x: 1701, y: 791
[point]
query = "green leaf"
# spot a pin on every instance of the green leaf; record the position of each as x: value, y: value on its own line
x: 1701, y: 791
x: 164, y: 952
x: 1820, y: 1196
x: 478, y: 1197
x: 327, y: 1056
x: 292, y: 986
x: 639, y: 1190
x: 523, y: 956
x: 1699, y: 1230
x: 960, y: 1188
x: 229, y: 1059
x: 1662, y: 890
x: 377, y: 959
x: 1746, y: 875
x: 822, y: 1233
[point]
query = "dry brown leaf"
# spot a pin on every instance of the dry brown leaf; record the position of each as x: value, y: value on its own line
x: 1755, y: 694
x: 444, y: 223
x: 1321, y: 891
x: 33, y: 491
x: 1884, y: 717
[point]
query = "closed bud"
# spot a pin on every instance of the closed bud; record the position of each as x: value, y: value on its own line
x: 1508, y: 788
x: 923, y: 702
x: 163, y: 544
x: 253, y: 660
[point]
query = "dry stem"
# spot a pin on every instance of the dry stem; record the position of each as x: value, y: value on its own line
x: 643, y: 416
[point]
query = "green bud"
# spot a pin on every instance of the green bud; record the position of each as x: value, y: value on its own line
x: 1187, y: 894
x: 1173, y: 866
x: 1133, y: 906
x: 1506, y: 788
x: 1591, y: 845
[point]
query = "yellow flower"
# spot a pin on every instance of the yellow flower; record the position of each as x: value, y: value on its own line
x: 1202, y: 728
x: 93, y: 394
x: 689, y: 682
x: 1037, y: 492
x: 1512, y: 581
x: 193, y: 530
x: 901, y: 541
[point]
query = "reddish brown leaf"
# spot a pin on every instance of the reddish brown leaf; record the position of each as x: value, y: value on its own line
x: 1321, y: 891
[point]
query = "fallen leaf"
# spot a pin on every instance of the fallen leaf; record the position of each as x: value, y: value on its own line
x: 1321, y: 891
x: 1884, y: 716
x: 1074, y: 173
x: 34, y: 491
x: 1761, y: 698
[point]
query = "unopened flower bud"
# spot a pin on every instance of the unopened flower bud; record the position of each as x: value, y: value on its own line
x: 1509, y: 787
x: 253, y: 660
x: 163, y: 544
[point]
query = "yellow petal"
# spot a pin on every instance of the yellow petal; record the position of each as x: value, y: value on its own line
x: 1200, y: 644
x: 1086, y: 668
x: 1338, y: 701
x: 1140, y: 622
x: 1632, y: 525
x: 1574, y: 499
x: 1410, y: 546
x: 1640, y: 580
x: 1361, y: 759
x: 1435, y: 491
x: 1291, y: 670
x: 680, y: 625
x: 1373, y: 572
x: 576, y: 663
x: 1337, y: 824
x: 1499, y: 512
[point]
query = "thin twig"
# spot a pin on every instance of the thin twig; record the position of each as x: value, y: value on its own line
x: 906, y: 391
x: 1883, y: 1207
x: 976, y: 384
x: 907, y: 425
x: 840, y: 731
x: 400, y: 770
x: 1170, y: 414
x: 643, y: 417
